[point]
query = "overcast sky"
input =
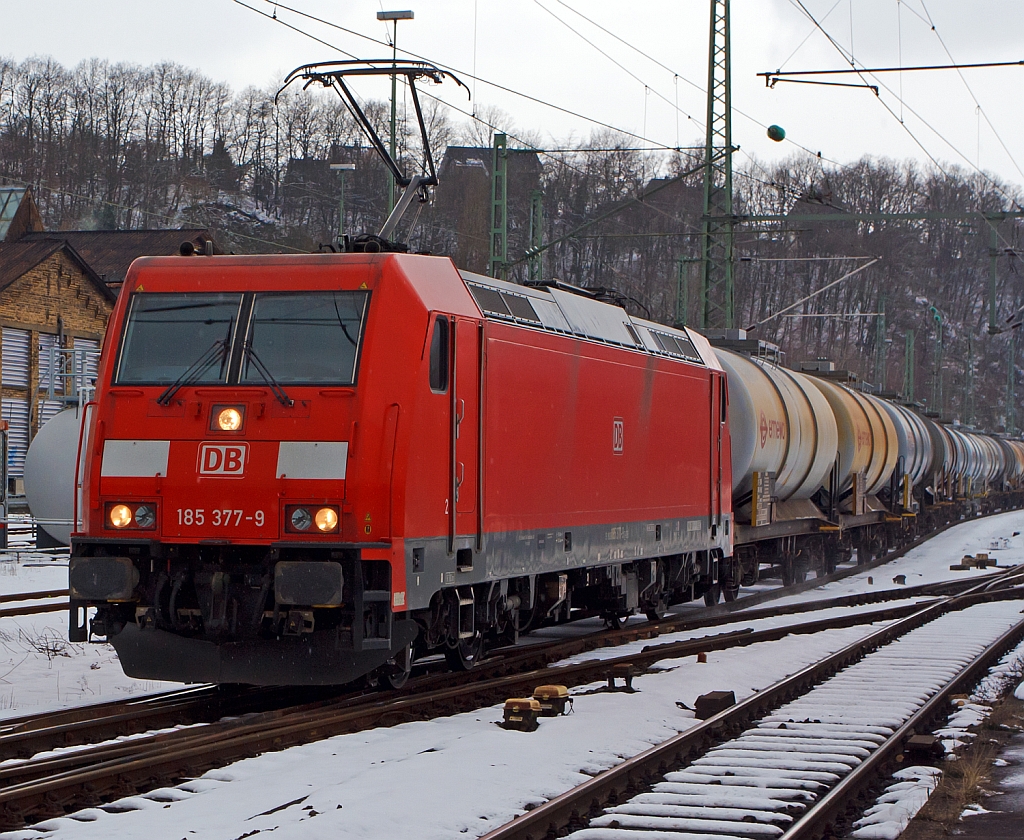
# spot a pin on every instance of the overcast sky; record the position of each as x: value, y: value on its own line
x: 524, y: 45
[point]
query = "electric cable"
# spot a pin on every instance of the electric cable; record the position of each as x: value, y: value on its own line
x: 848, y: 57
x: 931, y: 25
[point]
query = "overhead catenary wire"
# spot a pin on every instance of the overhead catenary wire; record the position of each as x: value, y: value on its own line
x: 860, y: 72
x: 528, y: 146
x: 442, y: 66
x: 692, y: 84
x: 981, y: 110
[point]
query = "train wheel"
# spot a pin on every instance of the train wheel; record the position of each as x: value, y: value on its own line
x: 466, y: 654
x: 713, y: 594
x: 613, y: 621
x: 730, y: 593
x: 397, y: 675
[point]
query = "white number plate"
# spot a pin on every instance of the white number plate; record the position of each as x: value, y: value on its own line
x: 220, y: 517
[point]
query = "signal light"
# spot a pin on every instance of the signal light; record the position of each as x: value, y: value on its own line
x: 120, y: 516
x: 326, y: 519
x: 228, y: 418
x: 133, y: 515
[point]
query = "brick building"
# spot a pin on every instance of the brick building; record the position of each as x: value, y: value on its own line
x: 57, y: 290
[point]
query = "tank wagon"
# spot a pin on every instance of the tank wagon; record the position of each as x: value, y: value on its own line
x: 823, y: 468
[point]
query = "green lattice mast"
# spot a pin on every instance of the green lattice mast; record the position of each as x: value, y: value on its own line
x: 717, y: 223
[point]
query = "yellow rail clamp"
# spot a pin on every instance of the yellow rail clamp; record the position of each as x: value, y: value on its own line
x: 521, y: 713
x: 553, y: 699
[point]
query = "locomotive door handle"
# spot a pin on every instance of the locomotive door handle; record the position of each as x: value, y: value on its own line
x: 460, y: 477
x: 460, y: 415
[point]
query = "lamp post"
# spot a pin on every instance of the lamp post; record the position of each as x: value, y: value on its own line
x: 341, y: 169
x: 395, y: 17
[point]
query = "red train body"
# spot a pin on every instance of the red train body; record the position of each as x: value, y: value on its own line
x: 305, y: 469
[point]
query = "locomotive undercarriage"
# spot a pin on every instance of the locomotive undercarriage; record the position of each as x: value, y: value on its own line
x: 240, y: 613
x: 462, y: 620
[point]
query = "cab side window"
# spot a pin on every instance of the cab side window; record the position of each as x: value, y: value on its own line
x: 439, y: 356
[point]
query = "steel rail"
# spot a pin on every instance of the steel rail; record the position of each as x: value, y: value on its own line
x: 571, y: 809
x: 21, y: 772
x: 33, y: 596
x: 31, y: 735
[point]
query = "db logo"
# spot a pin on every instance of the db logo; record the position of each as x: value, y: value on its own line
x: 224, y: 459
x: 618, y: 435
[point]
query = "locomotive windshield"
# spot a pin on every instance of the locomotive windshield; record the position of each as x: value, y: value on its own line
x: 294, y: 337
x: 166, y: 333
x: 305, y: 337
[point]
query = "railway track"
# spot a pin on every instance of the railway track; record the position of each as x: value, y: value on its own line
x: 48, y: 602
x: 790, y: 761
x: 72, y: 779
x: 90, y: 724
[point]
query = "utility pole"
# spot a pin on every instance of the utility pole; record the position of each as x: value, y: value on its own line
x: 1011, y: 385
x: 394, y: 17
x: 880, y: 354
x: 498, y: 261
x: 908, y: 368
x: 937, y: 396
x: 683, y: 290
x: 716, y: 240
x: 535, y: 264
x: 969, y: 397
x: 341, y: 169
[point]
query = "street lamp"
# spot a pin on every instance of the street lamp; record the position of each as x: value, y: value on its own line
x: 341, y: 169
x: 395, y: 17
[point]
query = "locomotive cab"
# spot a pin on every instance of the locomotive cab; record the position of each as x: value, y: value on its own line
x: 237, y: 514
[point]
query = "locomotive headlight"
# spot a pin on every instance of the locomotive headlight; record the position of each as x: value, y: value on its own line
x: 301, y: 520
x: 229, y: 419
x: 120, y: 516
x: 145, y: 516
x: 326, y: 519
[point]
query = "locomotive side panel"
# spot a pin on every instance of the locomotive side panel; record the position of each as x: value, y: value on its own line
x: 614, y: 446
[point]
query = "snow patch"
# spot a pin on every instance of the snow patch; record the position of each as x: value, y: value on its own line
x: 897, y: 806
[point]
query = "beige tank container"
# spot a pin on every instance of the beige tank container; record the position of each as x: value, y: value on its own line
x: 780, y: 423
x: 867, y: 437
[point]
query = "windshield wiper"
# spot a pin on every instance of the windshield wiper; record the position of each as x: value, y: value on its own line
x: 249, y: 353
x: 215, y: 353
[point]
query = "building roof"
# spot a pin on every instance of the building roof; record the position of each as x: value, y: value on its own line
x: 479, y: 158
x: 18, y: 258
x: 109, y: 252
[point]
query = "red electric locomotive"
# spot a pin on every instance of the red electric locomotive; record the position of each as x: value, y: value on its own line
x: 304, y: 469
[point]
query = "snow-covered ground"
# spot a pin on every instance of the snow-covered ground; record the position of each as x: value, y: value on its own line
x: 39, y: 669
x: 453, y: 777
